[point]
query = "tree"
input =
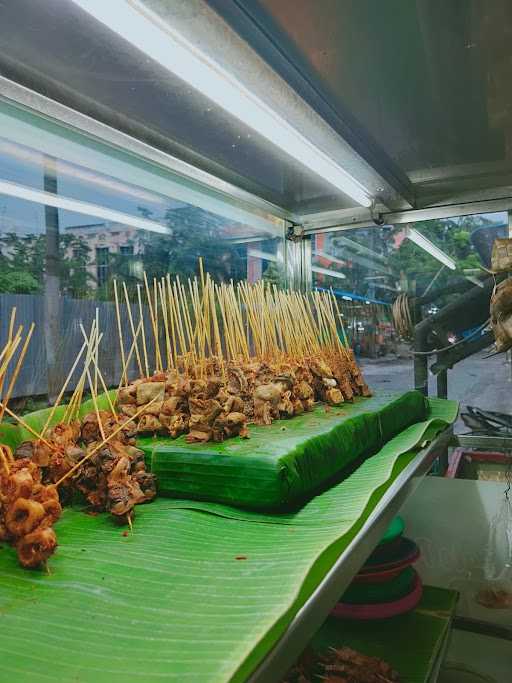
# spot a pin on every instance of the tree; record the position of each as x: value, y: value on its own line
x: 18, y: 282
x: 22, y: 263
x: 193, y: 234
x: 75, y: 256
x: 453, y: 236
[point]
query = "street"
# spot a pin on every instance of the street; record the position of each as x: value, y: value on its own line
x: 477, y: 381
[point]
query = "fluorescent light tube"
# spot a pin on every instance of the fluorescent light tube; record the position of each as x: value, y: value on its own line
x: 328, y: 271
x: 88, y: 209
x: 431, y: 248
x: 144, y: 29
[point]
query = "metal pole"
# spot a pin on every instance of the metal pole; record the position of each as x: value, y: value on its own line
x: 52, y: 281
x: 509, y: 213
x: 298, y: 259
x: 442, y: 384
x: 419, y: 344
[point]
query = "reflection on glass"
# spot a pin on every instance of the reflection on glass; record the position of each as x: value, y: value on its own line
x: 95, y: 251
x: 369, y: 268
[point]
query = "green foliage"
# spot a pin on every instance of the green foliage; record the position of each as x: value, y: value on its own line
x: 22, y: 264
x: 415, y: 268
x: 192, y: 236
x: 275, y: 275
x: 18, y: 282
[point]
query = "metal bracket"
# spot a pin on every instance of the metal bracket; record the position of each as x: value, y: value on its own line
x: 295, y: 233
x: 298, y: 258
x: 377, y: 216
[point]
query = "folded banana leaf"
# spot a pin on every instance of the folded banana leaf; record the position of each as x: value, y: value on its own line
x: 285, y: 462
x: 198, y: 592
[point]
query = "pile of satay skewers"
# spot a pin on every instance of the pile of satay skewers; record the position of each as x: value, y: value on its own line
x: 94, y: 454
x: 217, y: 357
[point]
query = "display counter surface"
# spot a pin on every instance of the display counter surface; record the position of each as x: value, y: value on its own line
x: 202, y: 591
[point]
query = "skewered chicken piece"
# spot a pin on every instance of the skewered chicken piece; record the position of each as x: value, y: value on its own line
x: 28, y: 510
x: 114, y: 479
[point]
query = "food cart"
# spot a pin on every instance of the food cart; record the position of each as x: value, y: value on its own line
x: 258, y: 136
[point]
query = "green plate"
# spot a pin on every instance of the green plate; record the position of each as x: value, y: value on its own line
x: 394, y: 530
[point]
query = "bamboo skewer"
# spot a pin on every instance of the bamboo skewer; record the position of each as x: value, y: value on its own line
x: 26, y: 426
x: 63, y: 390
x: 179, y: 322
x: 12, y: 347
x: 119, y: 326
x: 163, y: 303
x: 76, y: 398
x: 132, y: 327
x: 157, y: 332
x: 129, y: 358
x: 6, y: 348
x: 17, y: 369
x: 173, y: 331
x: 101, y: 378
x: 141, y: 318
x: 4, y: 459
x: 186, y: 317
x: 158, y: 360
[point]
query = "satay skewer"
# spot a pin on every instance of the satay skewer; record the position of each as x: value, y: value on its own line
x: 132, y: 327
x: 63, y: 390
x: 119, y: 326
x: 108, y: 438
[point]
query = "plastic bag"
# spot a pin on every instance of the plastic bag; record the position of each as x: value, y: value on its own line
x: 497, y: 591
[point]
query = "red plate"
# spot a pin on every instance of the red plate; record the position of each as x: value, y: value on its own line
x: 380, y: 576
x: 383, y: 610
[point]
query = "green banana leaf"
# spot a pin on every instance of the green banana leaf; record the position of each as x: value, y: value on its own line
x: 198, y: 592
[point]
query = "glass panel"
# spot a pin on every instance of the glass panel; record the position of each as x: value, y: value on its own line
x: 96, y: 244
x: 83, y: 64
x: 75, y: 229
x: 368, y: 269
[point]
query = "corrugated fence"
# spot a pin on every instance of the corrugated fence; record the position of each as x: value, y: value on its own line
x: 33, y: 378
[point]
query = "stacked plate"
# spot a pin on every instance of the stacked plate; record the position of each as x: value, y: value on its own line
x: 387, y: 585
